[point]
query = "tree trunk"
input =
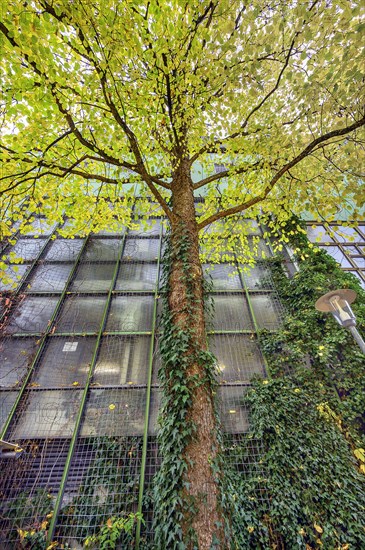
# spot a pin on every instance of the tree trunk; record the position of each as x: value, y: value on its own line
x: 201, y: 514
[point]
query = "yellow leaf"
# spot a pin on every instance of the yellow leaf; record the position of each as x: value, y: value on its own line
x: 362, y: 468
x: 250, y: 529
x: 109, y: 523
x: 318, y: 528
x: 44, y: 524
x: 111, y: 406
x: 75, y: 383
x: 360, y: 454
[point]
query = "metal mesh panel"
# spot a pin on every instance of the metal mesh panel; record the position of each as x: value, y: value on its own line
x: 45, y: 414
x: 141, y: 249
x: 130, y: 314
x: 14, y: 275
x: 238, y: 357
x: 114, y: 412
x: 28, y: 249
x: 136, y: 277
x: 32, y: 315
x: 223, y: 276
x: 64, y: 250
x: 64, y: 362
x: 93, y: 277
x: 16, y: 356
x: 103, y: 483
x: 49, y: 278
x: 101, y: 250
x: 233, y: 409
x: 267, y: 310
x: 81, y: 314
x: 28, y: 489
x: 231, y: 313
x: 123, y: 360
x: 87, y: 394
x: 7, y: 400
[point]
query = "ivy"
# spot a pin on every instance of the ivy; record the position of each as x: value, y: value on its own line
x: 178, y: 347
x: 110, y: 483
x: 309, y: 490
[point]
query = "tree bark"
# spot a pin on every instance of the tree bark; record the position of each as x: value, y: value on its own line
x: 186, y: 304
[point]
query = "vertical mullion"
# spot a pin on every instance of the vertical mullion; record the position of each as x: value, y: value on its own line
x: 256, y: 327
x: 148, y: 398
x: 75, y: 433
x: 42, y: 341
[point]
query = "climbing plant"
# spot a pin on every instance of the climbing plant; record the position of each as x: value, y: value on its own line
x: 178, y: 347
x: 308, y: 417
x: 110, y: 484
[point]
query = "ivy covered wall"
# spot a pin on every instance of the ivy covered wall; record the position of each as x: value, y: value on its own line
x: 309, y: 416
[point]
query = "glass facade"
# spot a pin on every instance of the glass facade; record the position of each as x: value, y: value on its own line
x: 345, y: 244
x: 78, y: 379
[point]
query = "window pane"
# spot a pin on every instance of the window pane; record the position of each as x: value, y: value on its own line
x: 32, y: 315
x: 266, y: 310
x: 258, y: 277
x: 81, y: 314
x: 317, y: 233
x: 338, y: 255
x: 231, y: 313
x: 7, y: 400
x: 238, y: 357
x: 28, y: 249
x: 16, y: 357
x: 233, y: 410
x: 130, y: 313
x: 224, y: 276
x: 114, y: 412
x: 47, y: 414
x: 14, y: 274
x: 64, y: 250
x: 123, y: 360
x: 360, y: 262
x: 65, y: 362
x: 40, y: 227
x: 102, y: 250
x: 141, y: 249
x: 49, y: 278
x: 347, y: 234
x: 93, y: 277
x: 136, y: 277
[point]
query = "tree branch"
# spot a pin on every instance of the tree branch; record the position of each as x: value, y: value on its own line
x: 305, y: 153
x: 224, y: 174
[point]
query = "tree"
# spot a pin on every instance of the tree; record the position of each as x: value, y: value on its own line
x: 101, y: 95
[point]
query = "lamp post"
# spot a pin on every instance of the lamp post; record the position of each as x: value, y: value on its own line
x: 338, y: 303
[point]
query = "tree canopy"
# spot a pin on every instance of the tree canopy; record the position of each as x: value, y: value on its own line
x: 100, y: 95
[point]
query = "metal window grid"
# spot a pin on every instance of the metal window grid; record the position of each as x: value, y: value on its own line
x: 85, y: 386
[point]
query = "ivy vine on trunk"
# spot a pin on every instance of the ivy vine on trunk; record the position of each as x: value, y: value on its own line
x: 188, y: 510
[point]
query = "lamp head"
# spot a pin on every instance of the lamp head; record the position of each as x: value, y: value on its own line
x: 338, y: 303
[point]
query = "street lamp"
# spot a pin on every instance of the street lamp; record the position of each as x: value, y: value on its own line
x: 338, y: 303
